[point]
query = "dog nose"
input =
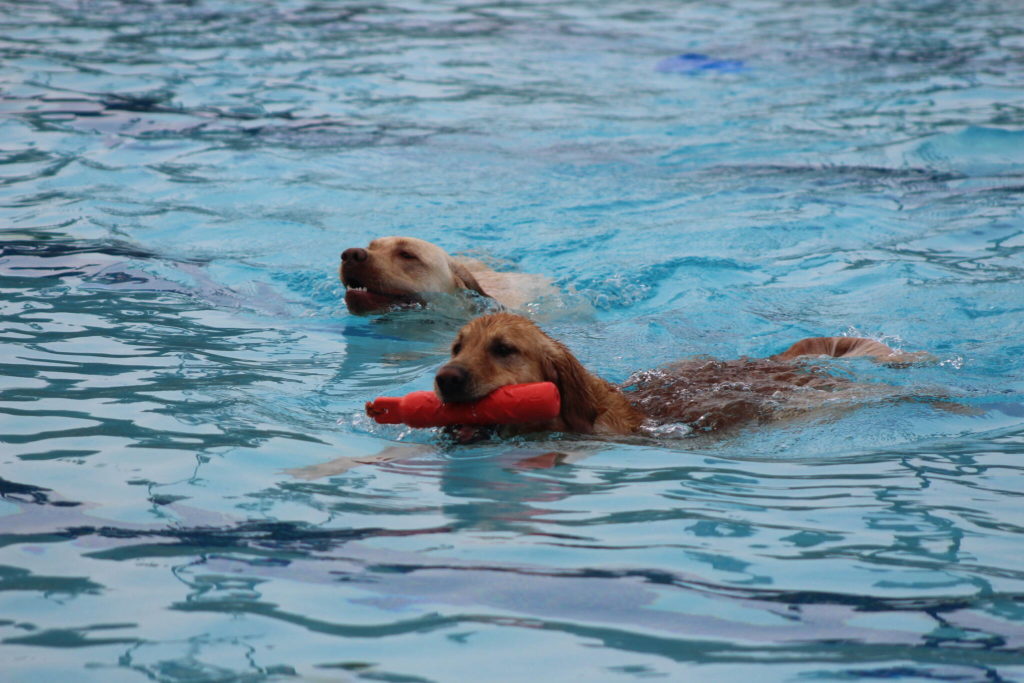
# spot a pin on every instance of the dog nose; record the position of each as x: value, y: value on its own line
x: 353, y: 254
x: 451, y: 382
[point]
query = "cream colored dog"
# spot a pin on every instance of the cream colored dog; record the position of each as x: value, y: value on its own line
x: 393, y: 272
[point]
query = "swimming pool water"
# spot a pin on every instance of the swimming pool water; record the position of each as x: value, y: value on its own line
x: 181, y: 386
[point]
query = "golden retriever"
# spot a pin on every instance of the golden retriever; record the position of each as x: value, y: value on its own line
x: 394, y: 272
x: 500, y: 349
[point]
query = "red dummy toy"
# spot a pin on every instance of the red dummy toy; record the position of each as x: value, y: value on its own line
x: 512, y: 404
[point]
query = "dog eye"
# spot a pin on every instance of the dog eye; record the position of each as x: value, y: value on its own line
x: 502, y: 349
x: 407, y: 255
x: 456, y: 347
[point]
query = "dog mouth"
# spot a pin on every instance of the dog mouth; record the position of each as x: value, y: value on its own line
x: 361, y: 298
x: 471, y: 390
x: 458, y: 395
x: 468, y: 434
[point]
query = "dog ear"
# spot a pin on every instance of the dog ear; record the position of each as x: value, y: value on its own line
x: 465, y: 279
x: 579, y: 405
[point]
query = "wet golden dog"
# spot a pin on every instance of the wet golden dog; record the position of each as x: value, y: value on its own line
x: 392, y: 272
x: 500, y: 349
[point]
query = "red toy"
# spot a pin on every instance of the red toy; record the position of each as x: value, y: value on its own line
x: 512, y: 404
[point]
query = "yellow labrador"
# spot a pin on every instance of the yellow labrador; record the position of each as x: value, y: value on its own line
x: 393, y: 272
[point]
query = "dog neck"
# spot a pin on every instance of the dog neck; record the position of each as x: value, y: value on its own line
x: 618, y: 416
x: 590, y: 405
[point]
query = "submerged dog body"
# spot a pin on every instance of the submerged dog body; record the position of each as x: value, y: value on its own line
x: 401, y: 271
x: 500, y: 349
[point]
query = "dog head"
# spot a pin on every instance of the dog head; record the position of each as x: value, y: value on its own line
x: 392, y: 272
x: 501, y: 349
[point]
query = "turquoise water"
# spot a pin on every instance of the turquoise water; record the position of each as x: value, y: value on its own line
x: 181, y: 390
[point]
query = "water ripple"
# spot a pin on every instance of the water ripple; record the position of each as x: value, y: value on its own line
x: 190, y: 487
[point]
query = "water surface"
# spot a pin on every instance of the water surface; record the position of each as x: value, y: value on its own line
x: 181, y: 390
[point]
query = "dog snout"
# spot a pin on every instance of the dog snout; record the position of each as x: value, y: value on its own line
x: 452, y: 383
x: 353, y: 255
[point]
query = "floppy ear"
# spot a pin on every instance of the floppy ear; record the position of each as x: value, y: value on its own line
x: 465, y: 279
x: 579, y: 405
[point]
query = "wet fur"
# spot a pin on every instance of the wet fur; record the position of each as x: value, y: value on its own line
x: 503, y: 348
